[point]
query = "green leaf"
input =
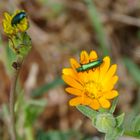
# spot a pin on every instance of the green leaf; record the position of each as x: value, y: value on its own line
x: 43, y: 89
x: 25, y: 44
x: 20, y: 44
x: 39, y: 103
x: 32, y: 110
x: 11, y: 56
x: 114, y: 134
x: 90, y: 113
x: 59, y: 135
x: 120, y: 119
x: 136, y: 124
x: 114, y: 104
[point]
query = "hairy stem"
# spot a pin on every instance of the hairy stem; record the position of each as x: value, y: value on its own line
x: 17, y: 66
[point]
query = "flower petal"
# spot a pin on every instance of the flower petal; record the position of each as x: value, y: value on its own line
x: 75, y: 101
x: 74, y: 91
x: 67, y: 71
x: 112, y: 94
x: 104, y: 102
x: 93, y: 56
x: 94, y: 75
x: 110, y: 73
x: 83, y: 76
x: 86, y: 100
x: 112, y: 70
x: 95, y: 104
x: 84, y: 58
x: 105, y: 66
x: 109, y: 85
x: 7, y: 16
x: 70, y: 81
x: 74, y: 65
x: 70, y: 72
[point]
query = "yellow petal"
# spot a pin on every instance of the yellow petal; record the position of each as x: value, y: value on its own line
x: 105, y: 66
x: 75, y: 101
x: 83, y: 76
x: 110, y: 73
x: 93, y: 56
x: 112, y: 70
x: 68, y: 71
x: 74, y: 91
x: 74, y: 63
x: 7, y: 16
x: 94, y: 75
x: 84, y: 58
x: 70, y: 81
x: 112, y: 94
x: 86, y: 100
x: 109, y: 85
x: 95, y: 104
x: 104, y: 102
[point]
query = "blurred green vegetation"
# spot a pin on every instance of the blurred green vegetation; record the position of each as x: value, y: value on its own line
x: 30, y: 108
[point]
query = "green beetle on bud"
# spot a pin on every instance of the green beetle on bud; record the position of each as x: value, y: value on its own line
x: 90, y: 65
x: 18, y: 18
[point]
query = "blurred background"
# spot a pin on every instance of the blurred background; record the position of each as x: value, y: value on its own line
x: 59, y: 30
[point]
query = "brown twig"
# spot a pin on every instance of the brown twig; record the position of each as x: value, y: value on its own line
x: 17, y: 66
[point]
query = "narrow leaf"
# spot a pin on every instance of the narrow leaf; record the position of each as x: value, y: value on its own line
x: 114, y: 104
x: 43, y: 89
x: 136, y: 124
x: 87, y: 111
x: 120, y: 119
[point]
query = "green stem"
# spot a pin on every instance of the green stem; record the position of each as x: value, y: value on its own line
x: 29, y: 133
x: 13, y: 98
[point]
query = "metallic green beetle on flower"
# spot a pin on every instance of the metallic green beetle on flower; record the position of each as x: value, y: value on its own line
x: 18, y: 18
x: 90, y: 65
x: 15, y: 23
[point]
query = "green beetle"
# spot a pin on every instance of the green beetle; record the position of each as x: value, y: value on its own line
x: 90, y: 65
x: 18, y: 17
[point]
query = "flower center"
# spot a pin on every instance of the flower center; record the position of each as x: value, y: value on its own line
x: 93, y: 89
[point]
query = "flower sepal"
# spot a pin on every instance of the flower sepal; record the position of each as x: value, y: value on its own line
x: 119, y: 120
x: 104, y: 122
x: 110, y: 125
x: 114, y: 134
x: 90, y: 113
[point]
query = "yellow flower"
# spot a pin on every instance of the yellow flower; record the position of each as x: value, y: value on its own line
x: 22, y: 26
x: 93, y: 87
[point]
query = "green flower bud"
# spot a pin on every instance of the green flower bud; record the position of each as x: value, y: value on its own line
x: 104, y: 122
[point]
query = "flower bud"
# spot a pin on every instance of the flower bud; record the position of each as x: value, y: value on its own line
x: 105, y: 122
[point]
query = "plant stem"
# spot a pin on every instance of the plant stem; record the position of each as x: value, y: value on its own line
x: 17, y: 66
x: 29, y: 133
